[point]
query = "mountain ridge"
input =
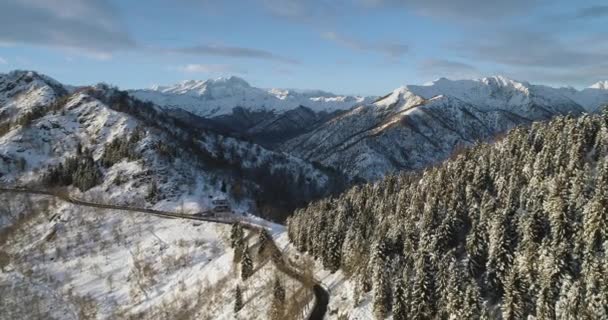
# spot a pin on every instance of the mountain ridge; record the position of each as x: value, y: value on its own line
x: 416, y: 126
x: 217, y: 97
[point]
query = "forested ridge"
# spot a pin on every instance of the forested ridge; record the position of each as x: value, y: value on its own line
x: 507, y: 230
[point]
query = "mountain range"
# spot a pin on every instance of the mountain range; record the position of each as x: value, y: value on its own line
x: 363, y: 137
x: 416, y: 126
x: 216, y: 97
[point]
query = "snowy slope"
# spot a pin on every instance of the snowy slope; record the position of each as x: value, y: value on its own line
x: 415, y: 126
x: 216, y: 97
x: 24, y: 91
x: 72, y: 262
x: 180, y: 161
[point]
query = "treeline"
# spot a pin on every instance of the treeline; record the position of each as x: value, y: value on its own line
x: 509, y: 230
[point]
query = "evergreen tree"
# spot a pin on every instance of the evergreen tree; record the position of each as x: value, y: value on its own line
x: 513, y: 229
x: 238, y: 299
x: 246, y: 265
x: 400, y: 303
x: 277, y: 307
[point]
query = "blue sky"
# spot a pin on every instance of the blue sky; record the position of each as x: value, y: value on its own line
x: 356, y: 46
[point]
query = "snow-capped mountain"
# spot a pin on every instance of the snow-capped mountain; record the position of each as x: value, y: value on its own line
x: 602, y: 85
x: 215, y: 97
x: 24, y: 91
x: 591, y: 98
x: 131, y: 145
x: 415, y: 126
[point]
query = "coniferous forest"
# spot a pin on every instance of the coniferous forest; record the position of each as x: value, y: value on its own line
x: 509, y: 230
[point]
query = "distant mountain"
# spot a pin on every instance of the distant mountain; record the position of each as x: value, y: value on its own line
x: 216, y: 97
x: 591, y: 98
x: 416, y: 126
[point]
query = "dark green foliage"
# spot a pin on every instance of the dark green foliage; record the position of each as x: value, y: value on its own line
x: 121, y: 148
x: 153, y: 192
x: 80, y: 171
x: 246, y: 265
x: 238, y: 299
x: 265, y: 239
x: 237, y: 241
x: 510, y: 230
x: 29, y: 117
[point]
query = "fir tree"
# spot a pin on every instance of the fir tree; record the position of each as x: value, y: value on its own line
x: 238, y: 299
x: 277, y: 307
x: 246, y: 265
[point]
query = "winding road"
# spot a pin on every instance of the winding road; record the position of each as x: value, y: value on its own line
x: 321, y: 295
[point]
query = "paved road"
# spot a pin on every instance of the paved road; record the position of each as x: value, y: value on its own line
x: 321, y: 295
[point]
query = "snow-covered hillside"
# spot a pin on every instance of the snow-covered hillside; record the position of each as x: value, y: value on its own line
x: 99, y: 139
x: 415, y: 126
x: 72, y: 262
x: 215, y: 97
x: 61, y: 261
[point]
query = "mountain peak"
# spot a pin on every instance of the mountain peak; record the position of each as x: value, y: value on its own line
x: 602, y: 85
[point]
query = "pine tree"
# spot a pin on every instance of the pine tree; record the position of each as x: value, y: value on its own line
x: 382, y: 296
x: 400, y: 303
x: 277, y: 307
x: 238, y: 299
x: 246, y: 265
x: 265, y: 238
x: 236, y: 235
x: 513, y: 306
x: 153, y: 192
x: 596, y: 221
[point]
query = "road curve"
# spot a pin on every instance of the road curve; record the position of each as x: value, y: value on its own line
x: 321, y: 295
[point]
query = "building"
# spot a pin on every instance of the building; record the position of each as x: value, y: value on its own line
x: 220, y: 204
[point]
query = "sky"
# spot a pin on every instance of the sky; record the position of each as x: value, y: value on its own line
x: 366, y: 47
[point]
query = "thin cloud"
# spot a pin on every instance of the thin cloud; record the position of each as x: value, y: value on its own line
x: 393, y: 51
x: 210, y: 68
x: 541, y: 56
x: 90, y: 26
x: 3, y: 61
x: 304, y: 10
x: 434, y: 68
x: 534, y: 49
x: 233, y: 52
x: 599, y: 11
x: 475, y: 10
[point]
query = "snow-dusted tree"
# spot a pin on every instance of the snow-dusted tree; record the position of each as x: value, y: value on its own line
x: 246, y: 265
x: 277, y: 306
x: 513, y: 304
x: 265, y: 238
x: 238, y: 299
x: 382, y: 295
x: 400, y: 301
x: 517, y: 218
x: 236, y: 235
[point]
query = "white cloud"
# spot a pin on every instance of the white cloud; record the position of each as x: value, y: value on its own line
x: 3, y: 61
x: 210, y: 68
x: 233, y: 52
x: 462, y: 10
x: 91, y: 26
